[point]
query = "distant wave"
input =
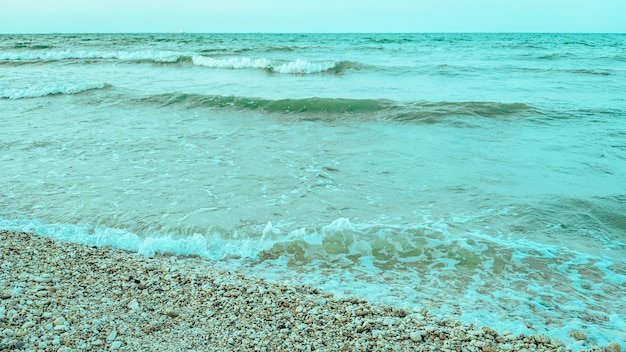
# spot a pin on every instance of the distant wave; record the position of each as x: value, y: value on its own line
x: 292, y: 67
x: 590, y: 72
x: 49, y: 89
x: 298, y: 66
x: 330, y: 108
x: 138, y: 56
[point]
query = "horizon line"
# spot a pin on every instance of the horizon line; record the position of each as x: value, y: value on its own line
x: 339, y: 32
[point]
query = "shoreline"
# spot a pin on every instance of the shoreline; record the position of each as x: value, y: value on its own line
x: 59, y: 296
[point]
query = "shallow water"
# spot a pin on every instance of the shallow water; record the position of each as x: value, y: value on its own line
x: 474, y: 175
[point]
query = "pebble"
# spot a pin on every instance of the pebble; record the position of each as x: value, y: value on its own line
x: 133, y: 305
x: 116, y: 345
x: 556, y: 342
x: 112, y: 336
x: 415, y: 336
x: 170, y: 313
x: 59, y: 321
x: 614, y: 347
x: 8, y: 333
x: 579, y: 335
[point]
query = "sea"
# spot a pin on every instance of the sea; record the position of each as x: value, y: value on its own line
x: 481, y: 177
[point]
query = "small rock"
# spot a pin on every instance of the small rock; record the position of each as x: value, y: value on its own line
x: 64, y: 349
x: 97, y: 343
x: 299, y: 309
x: 614, y: 347
x: 415, y: 336
x: 42, y: 278
x: 170, y: 313
x: 579, y: 335
x: 489, y: 331
x: 556, y: 342
x: 507, y: 333
x: 116, y: 345
x: 542, y: 338
x: 400, y: 313
x: 112, y: 336
x: 133, y: 305
x: 59, y: 321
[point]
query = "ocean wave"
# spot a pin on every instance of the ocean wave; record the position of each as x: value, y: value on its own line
x: 293, y: 67
x: 52, y: 56
x: 432, y: 111
x: 49, y: 89
x: 590, y: 72
x: 298, y: 66
x: 286, y: 106
x: 421, y: 111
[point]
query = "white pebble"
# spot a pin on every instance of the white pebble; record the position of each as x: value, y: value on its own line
x: 415, y: 336
x: 133, y: 305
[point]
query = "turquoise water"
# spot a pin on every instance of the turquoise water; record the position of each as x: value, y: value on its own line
x: 477, y: 175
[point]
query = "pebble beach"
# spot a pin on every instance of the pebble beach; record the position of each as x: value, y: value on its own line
x: 58, y: 296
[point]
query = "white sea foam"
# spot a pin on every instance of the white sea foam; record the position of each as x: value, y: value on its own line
x: 146, y: 55
x: 291, y: 67
x: 41, y: 90
x: 232, y: 63
x: 304, y: 67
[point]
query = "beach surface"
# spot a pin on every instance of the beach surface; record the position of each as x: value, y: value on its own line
x: 58, y: 296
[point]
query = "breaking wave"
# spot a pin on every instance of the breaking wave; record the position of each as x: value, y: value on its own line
x: 299, y: 66
x: 277, y: 66
x: 52, y: 56
x: 49, y: 89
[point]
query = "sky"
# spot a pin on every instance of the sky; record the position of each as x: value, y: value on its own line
x: 209, y: 16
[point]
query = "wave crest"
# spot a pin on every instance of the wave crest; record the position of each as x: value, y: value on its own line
x: 290, y: 67
x: 136, y: 56
x: 49, y: 89
x: 314, y: 108
x: 298, y: 66
x: 307, y: 105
